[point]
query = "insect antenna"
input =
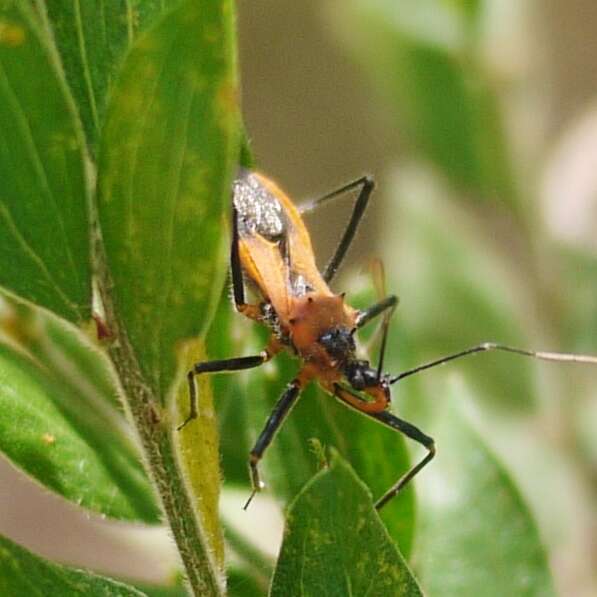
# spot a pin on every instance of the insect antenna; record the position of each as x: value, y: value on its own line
x: 488, y: 346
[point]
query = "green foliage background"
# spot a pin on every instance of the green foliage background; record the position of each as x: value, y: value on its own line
x: 126, y: 114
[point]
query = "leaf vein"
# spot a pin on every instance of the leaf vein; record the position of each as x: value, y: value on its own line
x: 14, y: 230
x: 85, y: 63
x: 36, y: 161
x: 130, y: 21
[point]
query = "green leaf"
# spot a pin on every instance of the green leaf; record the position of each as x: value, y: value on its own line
x: 73, y: 358
x: 457, y: 291
x: 48, y: 431
x: 477, y: 536
x: 92, y: 36
x: 43, y: 200
x: 168, y: 150
x: 334, y: 543
x: 425, y: 59
x: 23, y: 573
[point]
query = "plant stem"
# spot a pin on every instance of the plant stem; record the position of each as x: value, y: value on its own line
x: 154, y: 429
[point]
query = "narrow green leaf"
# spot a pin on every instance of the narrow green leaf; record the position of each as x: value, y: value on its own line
x: 92, y: 36
x: 197, y: 446
x: 424, y: 57
x: 334, y: 543
x: 176, y: 588
x: 80, y: 453
x: 242, y: 584
x: 168, y: 150
x: 230, y: 399
x: 23, y: 573
x: 477, y: 536
x: 472, y: 9
x: 253, y: 563
x: 457, y: 291
x: 579, y: 271
x: 246, y: 159
x: 43, y: 200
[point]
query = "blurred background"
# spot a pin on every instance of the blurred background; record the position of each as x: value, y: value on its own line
x: 478, y: 120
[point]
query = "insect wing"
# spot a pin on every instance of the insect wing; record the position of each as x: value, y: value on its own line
x: 303, y: 273
x: 262, y: 238
x: 274, y: 244
x: 263, y: 263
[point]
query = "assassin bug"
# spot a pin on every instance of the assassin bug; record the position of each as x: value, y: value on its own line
x: 271, y: 251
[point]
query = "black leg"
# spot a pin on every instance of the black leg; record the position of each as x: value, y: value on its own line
x: 390, y: 420
x: 313, y: 205
x: 348, y: 236
x: 235, y: 265
x: 275, y: 420
x: 238, y: 285
x: 236, y: 364
x: 488, y: 346
x: 367, y: 315
x: 360, y: 205
x: 393, y: 422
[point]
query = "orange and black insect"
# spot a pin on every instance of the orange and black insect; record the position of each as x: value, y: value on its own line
x: 271, y: 251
